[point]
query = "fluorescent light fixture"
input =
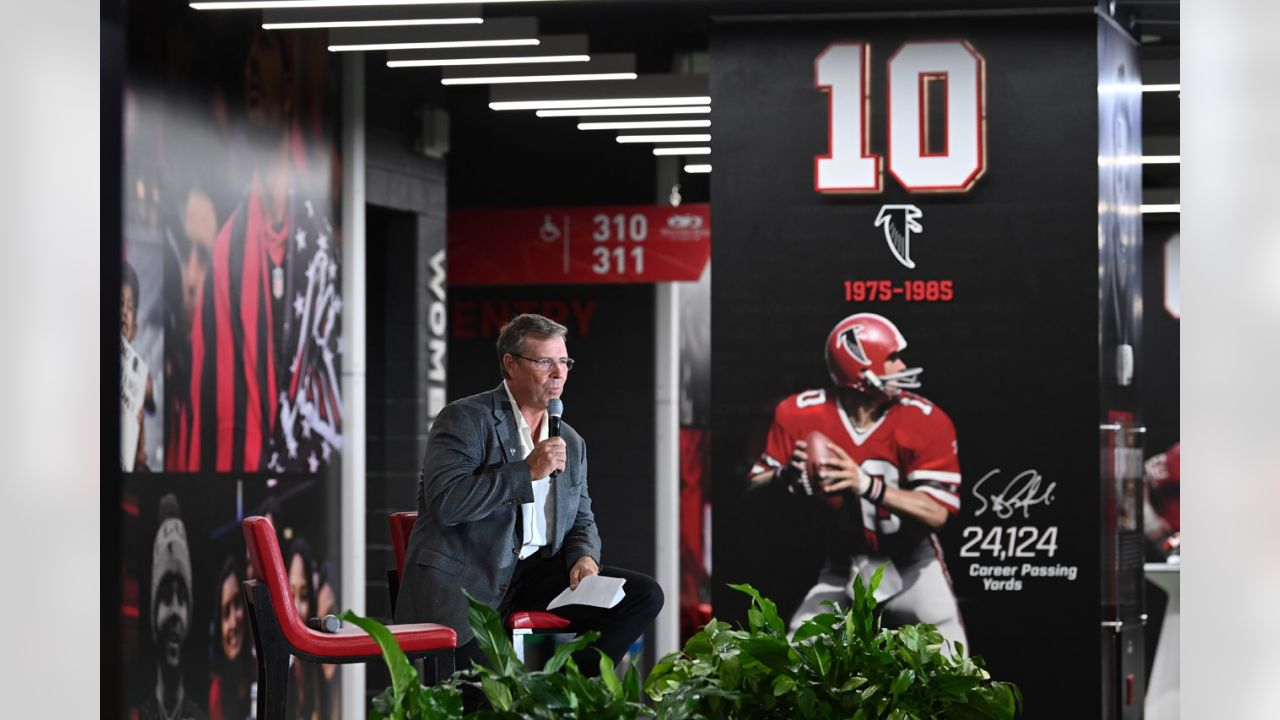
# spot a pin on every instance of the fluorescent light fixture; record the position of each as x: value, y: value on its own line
x: 1114, y: 88
x: 1123, y: 209
x: 514, y: 60
x: 369, y: 23
x: 597, y: 103
x: 547, y: 45
x: 647, y: 90
x: 1126, y: 160
x: 502, y: 32
x: 437, y: 44
x: 682, y: 151
x: 1174, y: 208
x: 506, y: 79
x: 697, y: 168
x: 664, y: 138
x: 602, y: 69
x: 295, y: 4
x: 686, y: 110
x: 393, y: 16
x: 644, y: 125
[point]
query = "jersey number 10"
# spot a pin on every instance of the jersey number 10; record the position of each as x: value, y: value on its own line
x: 950, y: 70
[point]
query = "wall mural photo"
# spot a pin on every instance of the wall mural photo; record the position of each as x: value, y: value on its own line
x: 231, y: 350
x: 231, y: 295
x: 188, y: 648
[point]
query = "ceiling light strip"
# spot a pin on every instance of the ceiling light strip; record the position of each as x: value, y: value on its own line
x: 602, y: 112
x: 514, y: 60
x: 496, y: 29
x: 297, y: 4
x: 349, y: 16
x: 697, y: 168
x: 603, y: 67
x: 1130, y: 160
x: 644, y: 125
x: 682, y: 151
x: 646, y: 90
x: 1172, y: 208
x: 595, y: 103
x: 364, y: 47
x: 690, y: 138
x: 507, y: 79
x: 369, y: 23
x: 1132, y: 87
x: 547, y: 45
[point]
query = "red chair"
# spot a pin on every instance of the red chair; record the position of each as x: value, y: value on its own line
x: 401, y: 524
x: 520, y: 623
x: 279, y: 632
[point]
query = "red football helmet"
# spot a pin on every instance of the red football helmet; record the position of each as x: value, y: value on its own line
x: 857, y: 349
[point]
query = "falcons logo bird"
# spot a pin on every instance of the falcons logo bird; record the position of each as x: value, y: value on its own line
x: 898, y: 234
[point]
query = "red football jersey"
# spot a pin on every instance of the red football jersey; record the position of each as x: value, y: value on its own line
x: 912, y: 446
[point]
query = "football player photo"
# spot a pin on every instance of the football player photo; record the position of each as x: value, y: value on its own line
x: 880, y: 466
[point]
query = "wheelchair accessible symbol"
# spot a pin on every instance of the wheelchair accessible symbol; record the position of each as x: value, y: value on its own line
x: 549, y: 232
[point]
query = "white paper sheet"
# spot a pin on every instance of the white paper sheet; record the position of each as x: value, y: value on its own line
x: 133, y: 391
x: 593, y: 590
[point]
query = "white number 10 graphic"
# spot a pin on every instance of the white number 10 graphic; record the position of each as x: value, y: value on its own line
x: 843, y: 70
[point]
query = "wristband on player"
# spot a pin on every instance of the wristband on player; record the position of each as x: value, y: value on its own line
x: 875, y: 491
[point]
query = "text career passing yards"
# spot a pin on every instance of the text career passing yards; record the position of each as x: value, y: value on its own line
x: 1009, y: 577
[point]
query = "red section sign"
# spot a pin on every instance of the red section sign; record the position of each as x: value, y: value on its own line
x: 609, y: 244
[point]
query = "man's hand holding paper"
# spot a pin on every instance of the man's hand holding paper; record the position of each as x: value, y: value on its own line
x: 582, y: 568
x: 592, y: 590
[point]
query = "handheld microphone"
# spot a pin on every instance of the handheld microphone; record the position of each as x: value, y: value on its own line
x: 555, y: 408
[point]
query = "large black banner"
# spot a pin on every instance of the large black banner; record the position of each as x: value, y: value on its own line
x: 937, y: 179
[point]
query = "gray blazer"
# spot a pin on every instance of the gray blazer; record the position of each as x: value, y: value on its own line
x: 468, y: 535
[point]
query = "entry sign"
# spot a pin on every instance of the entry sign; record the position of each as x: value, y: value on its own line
x: 572, y: 245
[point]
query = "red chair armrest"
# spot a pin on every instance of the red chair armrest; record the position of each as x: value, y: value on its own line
x: 536, y: 620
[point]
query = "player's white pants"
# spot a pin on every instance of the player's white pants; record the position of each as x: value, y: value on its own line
x: 925, y: 597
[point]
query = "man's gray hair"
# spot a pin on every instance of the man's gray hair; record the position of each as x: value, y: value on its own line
x: 511, y: 336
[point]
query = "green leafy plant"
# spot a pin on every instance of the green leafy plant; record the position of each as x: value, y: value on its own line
x: 836, y: 665
x: 407, y: 697
x: 514, y: 692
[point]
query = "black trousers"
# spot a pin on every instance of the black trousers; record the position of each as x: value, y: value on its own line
x: 538, y: 579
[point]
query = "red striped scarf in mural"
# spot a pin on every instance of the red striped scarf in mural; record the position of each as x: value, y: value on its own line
x: 265, y: 341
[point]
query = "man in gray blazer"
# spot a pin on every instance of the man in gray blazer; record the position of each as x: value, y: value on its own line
x: 503, y: 507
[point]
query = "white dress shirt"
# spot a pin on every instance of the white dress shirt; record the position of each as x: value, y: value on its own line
x: 538, y: 516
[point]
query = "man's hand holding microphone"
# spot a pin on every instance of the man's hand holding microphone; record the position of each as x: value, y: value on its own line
x: 547, y: 457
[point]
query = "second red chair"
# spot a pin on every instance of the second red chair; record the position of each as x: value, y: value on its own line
x: 520, y: 623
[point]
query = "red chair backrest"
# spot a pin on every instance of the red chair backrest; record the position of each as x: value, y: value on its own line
x: 264, y: 553
x: 401, y: 528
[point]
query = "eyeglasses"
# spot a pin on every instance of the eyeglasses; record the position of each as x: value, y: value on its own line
x: 544, y: 364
